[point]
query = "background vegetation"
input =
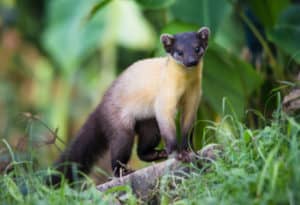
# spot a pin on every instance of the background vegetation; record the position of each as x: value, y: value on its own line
x: 57, y: 57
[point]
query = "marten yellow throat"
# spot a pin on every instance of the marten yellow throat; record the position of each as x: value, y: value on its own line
x: 143, y: 102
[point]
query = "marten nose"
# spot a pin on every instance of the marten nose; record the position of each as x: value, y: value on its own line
x: 191, y: 62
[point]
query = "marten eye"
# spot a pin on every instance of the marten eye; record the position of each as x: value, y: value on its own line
x: 197, y: 49
x: 179, y: 53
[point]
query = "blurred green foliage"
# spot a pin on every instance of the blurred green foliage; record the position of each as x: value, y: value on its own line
x: 285, y: 34
x: 57, y: 57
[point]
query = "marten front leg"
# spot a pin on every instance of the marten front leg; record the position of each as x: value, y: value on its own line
x: 165, y: 110
x: 148, y: 139
x: 189, y: 112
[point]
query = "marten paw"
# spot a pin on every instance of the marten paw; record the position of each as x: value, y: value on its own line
x: 122, y: 170
x: 184, y: 156
x: 125, y: 172
x: 162, y: 154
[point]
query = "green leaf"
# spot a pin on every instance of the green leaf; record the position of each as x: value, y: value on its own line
x: 71, y: 36
x: 201, y: 12
x: 97, y: 7
x: 286, y: 32
x: 178, y: 27
x: 155, y: 4
x: 132, y: 28
x: 13, y: 189
x: 227, y: 76
x: 290, y: 16
x: 247, y: 135
x: 229, y: 34
x: 68, y: 38
x: 267, y: 11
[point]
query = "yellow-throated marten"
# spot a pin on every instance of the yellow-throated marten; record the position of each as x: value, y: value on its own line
x: 143, y: 101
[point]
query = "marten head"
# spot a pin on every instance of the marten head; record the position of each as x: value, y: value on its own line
x: 186, y: 48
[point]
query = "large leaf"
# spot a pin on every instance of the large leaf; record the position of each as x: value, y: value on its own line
x: 268, y: 11
x: 286, y: 32
x: 201, y: 12
x: 133, y: 30
x: 227, y: 76
x: 229, y: 34
x: 76, y: 28
x: 68, y: 38
x: 98, y: 6
x: 178, y: 27
x: 155, y: 4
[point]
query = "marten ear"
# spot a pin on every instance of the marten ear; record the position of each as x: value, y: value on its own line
x: 203, y: 33
x: 167, y: 40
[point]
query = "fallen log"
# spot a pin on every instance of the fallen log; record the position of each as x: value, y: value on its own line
x: 144, y: 180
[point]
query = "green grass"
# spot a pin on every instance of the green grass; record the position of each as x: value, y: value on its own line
x: 25, y: 184
x: 257, y: 167
x: 28, y: 188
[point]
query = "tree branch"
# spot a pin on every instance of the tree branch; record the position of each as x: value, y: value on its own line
x: 144, y: 180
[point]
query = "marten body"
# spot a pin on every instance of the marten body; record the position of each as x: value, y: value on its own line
x: 143, y: 101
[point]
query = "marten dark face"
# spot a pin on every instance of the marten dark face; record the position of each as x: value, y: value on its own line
x: 186, y: 48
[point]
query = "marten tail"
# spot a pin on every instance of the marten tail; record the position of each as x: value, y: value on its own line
x: 90, y: 143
